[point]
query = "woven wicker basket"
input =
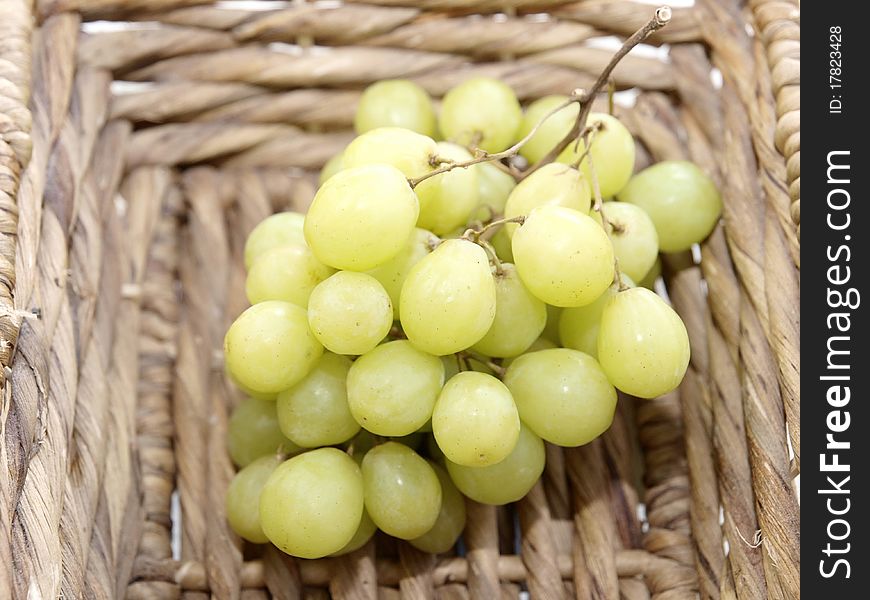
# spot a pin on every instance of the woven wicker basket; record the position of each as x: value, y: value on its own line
x: 123, y: 211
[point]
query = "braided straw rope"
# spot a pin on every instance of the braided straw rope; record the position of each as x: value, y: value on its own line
x: 123, y: 214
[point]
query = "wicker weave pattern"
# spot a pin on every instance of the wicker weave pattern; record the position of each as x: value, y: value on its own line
x: 123, y: 215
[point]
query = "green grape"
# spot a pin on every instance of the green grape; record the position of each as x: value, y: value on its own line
x: 501, y: 243
x: 507, y: 481
x: 541, y: 343
x: 270, y: 396
x: 312, y: 504
x: 392, y: 273
x: 402, y: 493
x: 680, y: 199
x: 392, y: 389
x: 649, y: 280
x: 362, y: 217
x: 286, y: 273
x: 361, y: 444
x: 643, y: 345
x: 270, y: 348
x: 243, y: 496
x: 364, y: 533
x: 451, y: 519
x: 578, y: 327
x: 634, y: 238
x: 314, y: 412
x: 409, y: 152
x: 551, y: 131
x: 332, y: 166
x: 253, y: 431
x: 562, y: 395
x: 493, y: 188
x: 519, y: 317
x: 552, y: 185
x: 551, y: 329
x: 350, y: 313
x: 475, y: 420
x: 395, y: 103
x: 563, y: 256
x: 447, y: 200
x: 481, y: 108
x: 612, y: 154
x: 277, y: 230
x: 448, y: 299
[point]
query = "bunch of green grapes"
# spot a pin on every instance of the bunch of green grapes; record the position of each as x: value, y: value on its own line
x: 436, y: 317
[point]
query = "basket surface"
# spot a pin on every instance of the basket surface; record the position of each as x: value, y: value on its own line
x: 134, y: 160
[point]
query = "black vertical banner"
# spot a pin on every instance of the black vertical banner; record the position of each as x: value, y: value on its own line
x: 834, y: 261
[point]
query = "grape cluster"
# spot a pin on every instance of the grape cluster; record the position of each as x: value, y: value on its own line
x: 430, y: 323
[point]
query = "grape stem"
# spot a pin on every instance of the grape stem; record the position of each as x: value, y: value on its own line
x: 493, y: 366
x: 608, y: 225
x: 476, y: 236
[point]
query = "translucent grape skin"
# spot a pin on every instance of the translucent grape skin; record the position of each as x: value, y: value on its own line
x: 447, y: 200
x: 551, y: 329
x: 269, y: 348
x: 612, y: 154
x: 361, y: 218
x: 481, y: 107
x: 395, y: 103
x: 311, y: 505
x: 552, y: 185
x: 409, y: 152
x: 286, y: 273
x: 634, y: 238
x: 350, y: 313
x: 272, y: 232
x: 243, y: 498
x: 448, y: 301
x: 451, y: 519
x: 253, y: 431
x: 551, y: 131
x: 519, y: 317
x: 475, y: 421
x: 493, y: 188
x: 680, y: 199
x: 392, y: 273
x: 332, y: 166
x: 562, y: 395
x: 541, y: 343
x: 392, y: 390
x: 314, y: 412
x: 643, y: 345
x: 578, y: 327
x: 501, y: 243
x: 402, y: 492
x: 507, y: 481
x: 364, y: 533
x: 563, y: 257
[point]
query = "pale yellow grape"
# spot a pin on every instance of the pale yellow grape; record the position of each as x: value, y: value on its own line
x: 551, y: 329
x: 253, y: 431
x: 578, y: 327
x: 680, y: 199
x: 519, y: 317
x: 243, y: 498
x: 276, y: 230
x: 475, y: 421
x: 612, y: 154
x: 361, y: 218
x: 447, y: 200
x: 493, y: 188
x: 364, y: 533
x: 286, y: 273
x: 507, y: 481
x: 541, y: 343
x: 350, y: 313
x: 501, y: 243
x: 562, y: 394
x: 270, y: 396
x: 314, y: 412
x: 403, y: 149
x: 402, y: 492
x: 563, y: 256
x: 392, y: 273
x: 270, y: 347
x: 634, y: 238
x: 554, y: 184
x: 448, y: 300
x: 483, y: 108
x: 395, y: 103
x: 649, y: 280
x: 392, y: 389
x: 551, y: 131
x: 642, y: 344
x: 312, y: 504
x: 451, y: 519
x: 332, y: 166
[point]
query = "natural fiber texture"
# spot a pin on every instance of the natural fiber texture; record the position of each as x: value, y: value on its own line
x: 123, y: 214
